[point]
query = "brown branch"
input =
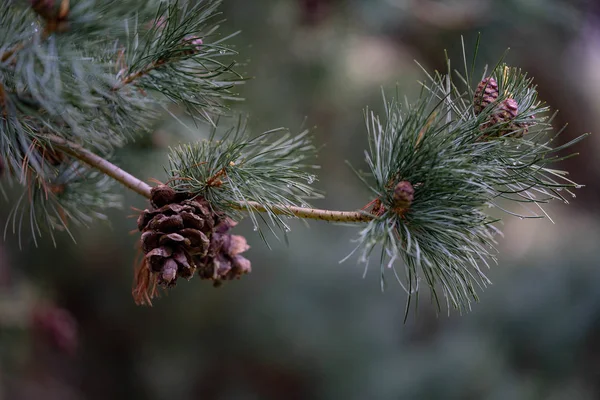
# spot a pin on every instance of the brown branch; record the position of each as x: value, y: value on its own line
x: 77, y: 151
x: 136, y: 75
x: 131, y: 182
x: 309, y: 213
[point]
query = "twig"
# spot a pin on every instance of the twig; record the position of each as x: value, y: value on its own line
x: 309, y: 213
x: 131, y: 182
x: 102, y: 165
x: 136, y: 75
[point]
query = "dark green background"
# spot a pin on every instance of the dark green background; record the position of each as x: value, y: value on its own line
x: 303, y: 326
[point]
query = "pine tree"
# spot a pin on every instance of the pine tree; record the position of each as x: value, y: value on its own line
x: 81, y: 78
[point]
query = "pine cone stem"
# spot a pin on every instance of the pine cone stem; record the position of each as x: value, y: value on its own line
x: 131, y: 182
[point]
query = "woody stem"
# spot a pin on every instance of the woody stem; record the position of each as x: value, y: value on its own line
x: 309, y: 213
x: 131, y: 182
x: 106, y: 167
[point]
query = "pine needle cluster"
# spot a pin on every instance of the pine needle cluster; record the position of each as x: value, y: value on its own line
x: 461, y: 162
x: 98, y: 74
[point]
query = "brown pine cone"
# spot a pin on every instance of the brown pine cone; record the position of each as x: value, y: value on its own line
x: 224, y: 260
x: 173, y: 234
x: 486, y: 93
x: 180, y: 235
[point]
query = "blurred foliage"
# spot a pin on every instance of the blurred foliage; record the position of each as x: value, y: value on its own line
x: 302, y: 325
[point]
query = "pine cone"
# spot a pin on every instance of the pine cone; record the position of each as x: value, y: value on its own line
x: 181, y: 235
x: 485, y: 94
x: 404, y: 194
x: 503, y: 118
x: 508, y: 109
x: 223, y: 261
x: 173, y: 234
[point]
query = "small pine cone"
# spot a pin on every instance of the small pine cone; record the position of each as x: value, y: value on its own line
x: 173, y: 234
x: 502, y: 120
x: 182, y: 235
x: 224, y: 260
x: 507, y: 112
x: 485, y: 94
x: 404, y: 194
x: 508, y: 109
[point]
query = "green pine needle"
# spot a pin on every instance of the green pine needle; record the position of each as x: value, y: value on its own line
x: 75, y: 196
x: 273, y: 169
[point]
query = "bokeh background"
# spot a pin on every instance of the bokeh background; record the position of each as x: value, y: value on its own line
x: 303, y: 326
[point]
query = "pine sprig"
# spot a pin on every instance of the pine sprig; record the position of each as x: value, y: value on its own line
x: 84, y: 84
x: 79, y: 78
x: 273, y: 169
x: 180, y: 57
x: 459, y: 161
x: 516, y: 170
x: 443, y: 236
x: 520, y: 170
x: 75, y: 196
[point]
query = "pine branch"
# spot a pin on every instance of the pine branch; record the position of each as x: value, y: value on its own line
x: 106, y: 167
x: 136, y: 75
x: 143, y: 189
x: 309, y: 213
x: 97, y: 75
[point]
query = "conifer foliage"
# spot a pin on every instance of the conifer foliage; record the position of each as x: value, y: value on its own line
x: 81, y: 78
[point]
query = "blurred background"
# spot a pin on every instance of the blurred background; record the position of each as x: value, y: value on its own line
x: 303, y: 326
